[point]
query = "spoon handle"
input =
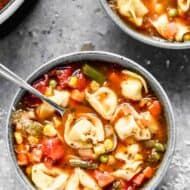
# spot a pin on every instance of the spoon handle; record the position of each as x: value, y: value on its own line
x: 8, y: 74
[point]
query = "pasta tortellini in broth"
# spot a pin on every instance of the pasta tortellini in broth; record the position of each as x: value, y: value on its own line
x: 104, y: 101
x: 132, y: 87
x: 83, y: 132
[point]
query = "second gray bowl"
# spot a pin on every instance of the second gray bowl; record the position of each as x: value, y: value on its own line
x: 157, y: 42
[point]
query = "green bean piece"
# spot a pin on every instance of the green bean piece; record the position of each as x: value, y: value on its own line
x: 83, y: 164
x: 93, y: 73
x: 104, y: 158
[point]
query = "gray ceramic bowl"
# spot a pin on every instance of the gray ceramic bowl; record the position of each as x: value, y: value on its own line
x: 109, y: 58
x: 158, y: 42
x: 9, y: 9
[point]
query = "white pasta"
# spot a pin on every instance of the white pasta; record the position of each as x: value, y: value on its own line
x: 132, y: 87
x: 84, y: 132
x: 104, y: 101
x: 134, y: 10
x: 48, y: 179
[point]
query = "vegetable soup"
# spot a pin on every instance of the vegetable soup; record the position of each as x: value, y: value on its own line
x: 113, y: 136
x: 168, y: 19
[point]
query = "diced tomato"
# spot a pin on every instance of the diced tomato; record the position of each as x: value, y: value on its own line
x: 81, y: 81
x: 63, y: 76
x: 73, y: 103
x: 103, y: 178
x: 148, y: 172
x: 35, y: 155
x: 48, y: 162
x: 53, y: 149
x: 42, y: 84
x: 22, y: 159
x: 138, y: 179
x: 155, y: 108
x: 31, y: 100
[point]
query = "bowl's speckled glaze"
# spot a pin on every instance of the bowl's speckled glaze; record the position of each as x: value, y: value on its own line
x: 108, y: 58
x: 9, y: 9
x: 139, y: 36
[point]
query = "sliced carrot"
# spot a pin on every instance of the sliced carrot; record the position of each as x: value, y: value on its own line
x: 155, y: 108
x: 115, y: 78
x: 77, y: 95
x: 148, y: 172
x: 22, y: 159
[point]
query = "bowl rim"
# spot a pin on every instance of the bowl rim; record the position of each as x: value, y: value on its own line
x: 9, y: 9
x: 161, y: 43
x: 109, y: 58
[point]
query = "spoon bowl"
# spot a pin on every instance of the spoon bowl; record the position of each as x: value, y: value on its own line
x: 11, y: 76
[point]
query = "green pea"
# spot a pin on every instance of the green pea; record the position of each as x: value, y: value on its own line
x: 154, y: 157
x: 159, y: 147
x: 104, y: 158
x: 52, y: 83
x: 172, y: 12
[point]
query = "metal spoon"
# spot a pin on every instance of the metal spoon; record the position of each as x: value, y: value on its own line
x: 8, y: 74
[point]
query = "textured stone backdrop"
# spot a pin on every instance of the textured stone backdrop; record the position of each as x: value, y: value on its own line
x: 44, y: 29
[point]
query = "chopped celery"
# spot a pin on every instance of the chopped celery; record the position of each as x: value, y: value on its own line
x: 93, y: 73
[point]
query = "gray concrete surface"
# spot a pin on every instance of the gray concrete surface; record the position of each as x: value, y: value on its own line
x: 45, y: 29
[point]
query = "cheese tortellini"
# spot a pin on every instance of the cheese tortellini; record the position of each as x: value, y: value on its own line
x: 55, y: 179
x: 131, y: 166
x: 179, y: 28
x: 184, y: 5
x: 104, y: 101
x: 132, y: 87
x: 81, y: 178
x: 83, y: 131
x: 134, y: 10
x: 127, y: 125
x: 48, y: 179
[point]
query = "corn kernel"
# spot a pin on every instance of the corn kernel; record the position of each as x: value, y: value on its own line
x: 33, y: 140
x: 138, y: 157
x: 99, y: 149
x: 49, y: 130
x: 111, y: 160
x: 29, y: 170
x: 49, y: 91
x: 73, y: 81
x: 57, y: 122
x: 108, y: 144
x: 94, y: 85
x: 159, y: 8
x: 18, y: 137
